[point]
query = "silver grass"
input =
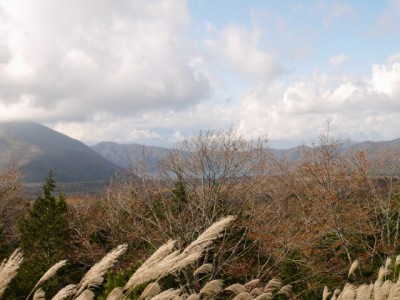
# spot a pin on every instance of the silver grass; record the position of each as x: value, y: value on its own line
x: 151, y: 290
x: 243, y: 296
x: 209, y: 235
x: 386, y: 287
x: 394, y: 292
x: 398, y: 260
x: 388, y: 263
x: 163, y: 268
x: 212, y: 288
x: 256, y: 292
x: 158, y: 268
x: 353, y: 267
x: 51, y: 272
x: 364, y: 292
x: 325, y: 293
x: 9, y: 268
x: 100, y: 268
x: 96, y: 281
x: 379, y: 282
x: 167, y: 295
x: 335, y: 295
x: 285, y: 290
x: 39, y: 295
x: 160, y: 253
x: 203, y: 269
x: 236, y: 288
x: 185, y: 296
x: 252, y: 284
x: 349, y: 292
x: 86, y: 295
x: 193, y: 297
x: 272, y: 285
x: 265, y: 296
x: 116, y: 294
x: 65, y: 292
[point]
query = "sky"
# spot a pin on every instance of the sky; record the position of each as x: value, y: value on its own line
x: 155, y: 71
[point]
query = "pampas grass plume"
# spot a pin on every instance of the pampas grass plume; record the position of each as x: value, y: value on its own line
x: 9, y: 268
x: 256, y: 292
x: 39, y: 295
x: 209, y: 235
x: 157, y: 267
x: 349, y: 292
x: 193, y: 297
x: 65, y: 292
x: 92, y: 277
x: 285, y: 290
x: 167, y: 295
x: 364, y: 292
x: 236, y: 288
x: 388, y: 263
x: 394, y: 292
x: 398, y: 260
x: 251, y: 284
x: 51, y: 272
x: 116, y: 294
x: 203, y: 269
x: 151, y: 290
x: 265, y: 296
x: 325, y: 293
x: 212, y: 288
x: 86, y: 295
x: 243, y: 296
x: 160, y: 254
x: 336, y: 293
x: 353, y: 267
x: 272, y: 285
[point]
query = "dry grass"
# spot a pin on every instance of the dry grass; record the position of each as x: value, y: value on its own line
x: 8, y: 270
x: 385, y: 287
x: 164, y: 261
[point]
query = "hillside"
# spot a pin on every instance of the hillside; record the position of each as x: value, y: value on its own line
x: 36, y: 149
x: 125, y: 155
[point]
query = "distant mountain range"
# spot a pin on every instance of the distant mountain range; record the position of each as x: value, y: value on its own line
x: 36, y: 149
x: 126, y: 155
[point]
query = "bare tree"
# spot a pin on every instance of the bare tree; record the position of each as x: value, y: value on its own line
x: 11, y: 206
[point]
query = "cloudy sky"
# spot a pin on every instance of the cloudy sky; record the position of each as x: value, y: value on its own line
x: 152, y: 71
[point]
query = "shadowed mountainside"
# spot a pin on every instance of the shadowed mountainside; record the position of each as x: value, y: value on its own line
x: 36, y: 149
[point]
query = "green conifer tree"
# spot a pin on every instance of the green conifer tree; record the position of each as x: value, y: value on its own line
x: 44, y: 238
x: 44, y: 231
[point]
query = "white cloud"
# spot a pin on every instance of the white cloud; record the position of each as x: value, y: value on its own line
x: 338, y: 59
x: 367, y: 108
x: 82, y: 57
x: 240, y: 50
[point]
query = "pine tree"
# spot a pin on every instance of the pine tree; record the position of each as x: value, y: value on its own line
x: 44, y: 238
x: 44, y: 232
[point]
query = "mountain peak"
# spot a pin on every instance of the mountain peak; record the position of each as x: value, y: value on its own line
x: 36, y: 149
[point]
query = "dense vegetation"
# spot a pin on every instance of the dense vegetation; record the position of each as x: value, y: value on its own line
x: 304, y: 223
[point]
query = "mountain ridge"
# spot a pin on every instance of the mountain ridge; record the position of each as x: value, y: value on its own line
x: 36, y: 149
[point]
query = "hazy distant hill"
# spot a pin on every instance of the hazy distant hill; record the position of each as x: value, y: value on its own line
x: 36, y: 149
x: 371, y: 148
x: 125, y: 155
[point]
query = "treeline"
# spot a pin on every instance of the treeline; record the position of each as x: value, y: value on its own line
x: 304, y: 223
